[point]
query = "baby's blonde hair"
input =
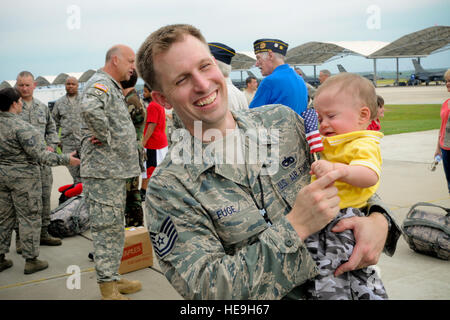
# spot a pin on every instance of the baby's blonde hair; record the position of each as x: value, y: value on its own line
x: 359, y: 87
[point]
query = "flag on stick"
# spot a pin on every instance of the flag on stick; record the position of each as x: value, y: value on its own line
x: 312, y: 131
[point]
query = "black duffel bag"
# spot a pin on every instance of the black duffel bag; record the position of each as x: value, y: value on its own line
x: 428, y: 232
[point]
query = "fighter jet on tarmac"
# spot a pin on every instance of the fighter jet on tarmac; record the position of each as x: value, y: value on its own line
x: 423, y: 75
x: 367, y: 76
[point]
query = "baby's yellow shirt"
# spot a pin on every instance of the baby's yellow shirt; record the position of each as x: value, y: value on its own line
x: 360, y: 148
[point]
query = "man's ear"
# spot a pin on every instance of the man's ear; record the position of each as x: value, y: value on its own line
x: 160, y: 99
x: 115, y: 60
x: 364, y: 114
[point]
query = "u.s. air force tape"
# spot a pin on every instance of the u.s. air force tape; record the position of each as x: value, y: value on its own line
x: 164, y: 240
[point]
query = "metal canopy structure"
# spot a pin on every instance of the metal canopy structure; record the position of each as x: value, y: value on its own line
x: 5, y: 84
x: 60, y: 79
x: 417, y: 44
x: 44, y: 80
x: 243, y: 61
x: 86, y: 75
x: 316, y: 53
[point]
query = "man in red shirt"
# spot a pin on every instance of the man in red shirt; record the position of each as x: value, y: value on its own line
x: 155, y: 141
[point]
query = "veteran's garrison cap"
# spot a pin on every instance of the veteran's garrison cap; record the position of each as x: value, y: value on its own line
x: 274, y: 45
x: 221, y: 52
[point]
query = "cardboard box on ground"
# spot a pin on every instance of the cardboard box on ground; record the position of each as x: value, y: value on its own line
x: 137, y: 251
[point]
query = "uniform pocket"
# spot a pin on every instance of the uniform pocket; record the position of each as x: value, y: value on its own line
x: 103, y: 217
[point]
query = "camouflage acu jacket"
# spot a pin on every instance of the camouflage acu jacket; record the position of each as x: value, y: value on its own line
x: 105, y: 116
x: 206, y: 222
x: 137, y: 113
x: 22, y: 148
x: 67, y: 116
x: 39, y: 116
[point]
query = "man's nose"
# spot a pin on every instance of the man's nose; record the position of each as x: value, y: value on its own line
x: 201, y: 83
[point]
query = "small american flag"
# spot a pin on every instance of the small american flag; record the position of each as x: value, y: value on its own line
x: 312, y: 130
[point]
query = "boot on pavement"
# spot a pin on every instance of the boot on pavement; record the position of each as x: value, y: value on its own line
x: 110, y: 291
x: 48, y: 240
x: 128, y: 286
x: 34, y: 265
x: 4, y: 263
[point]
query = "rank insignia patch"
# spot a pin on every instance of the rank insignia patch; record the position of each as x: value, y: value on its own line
x: 164, y: 240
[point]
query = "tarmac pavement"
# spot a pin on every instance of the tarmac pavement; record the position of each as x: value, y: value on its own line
x: 406, y: 179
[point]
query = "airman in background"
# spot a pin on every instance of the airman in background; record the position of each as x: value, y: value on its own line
x: 67, y: 115
x: 38, y: 115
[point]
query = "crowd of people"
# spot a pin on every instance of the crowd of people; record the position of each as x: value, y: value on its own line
x: 220, y: 230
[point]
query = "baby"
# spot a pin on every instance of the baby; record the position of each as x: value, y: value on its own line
x: 346, y: 104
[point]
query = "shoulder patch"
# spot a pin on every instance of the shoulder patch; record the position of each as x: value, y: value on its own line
x: 101, y: 87
x: 164, y: 240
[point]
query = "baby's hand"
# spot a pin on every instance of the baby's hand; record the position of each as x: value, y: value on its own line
x: 321, y: 167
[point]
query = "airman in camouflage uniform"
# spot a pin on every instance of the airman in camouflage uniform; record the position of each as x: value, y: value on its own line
x: 66, y: 113
x: 219, y: 239
x: 38, y: 114
x: 233, y: 231
x: 109, y: 156
x: 134, y: 215
x: 22, y: 150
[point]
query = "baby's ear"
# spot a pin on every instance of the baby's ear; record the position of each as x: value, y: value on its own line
x: 364, y: 114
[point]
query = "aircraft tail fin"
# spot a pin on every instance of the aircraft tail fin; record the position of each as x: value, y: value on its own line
x: 341, y: 68
x: 417, y: 66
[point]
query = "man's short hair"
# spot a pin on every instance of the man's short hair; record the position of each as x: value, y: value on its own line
x: 71, y: 77
x: 158, y: 42
x: 249, y: 79
x: 111, y: 52
x: 358, y: 86
x: 23, y: 74
x: 265, y: 55
x: 326, y: 71
x: 224, y: 68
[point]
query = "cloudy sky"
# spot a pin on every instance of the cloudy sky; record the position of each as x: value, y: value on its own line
x: 50, y: 37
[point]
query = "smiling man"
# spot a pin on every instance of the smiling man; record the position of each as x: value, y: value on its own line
x: 109, y: 156
x: 230, y: 231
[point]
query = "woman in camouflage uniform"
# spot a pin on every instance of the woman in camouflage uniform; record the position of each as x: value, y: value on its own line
x: 21, y: 149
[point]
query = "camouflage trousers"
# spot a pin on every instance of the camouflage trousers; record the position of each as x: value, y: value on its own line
x: 73, y: 170
x: 105, y: 199
x: 47, y: 182
x: 46, y: 179
x: 330, y: 250
x: 134, y: 215
x: 21, y: 202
